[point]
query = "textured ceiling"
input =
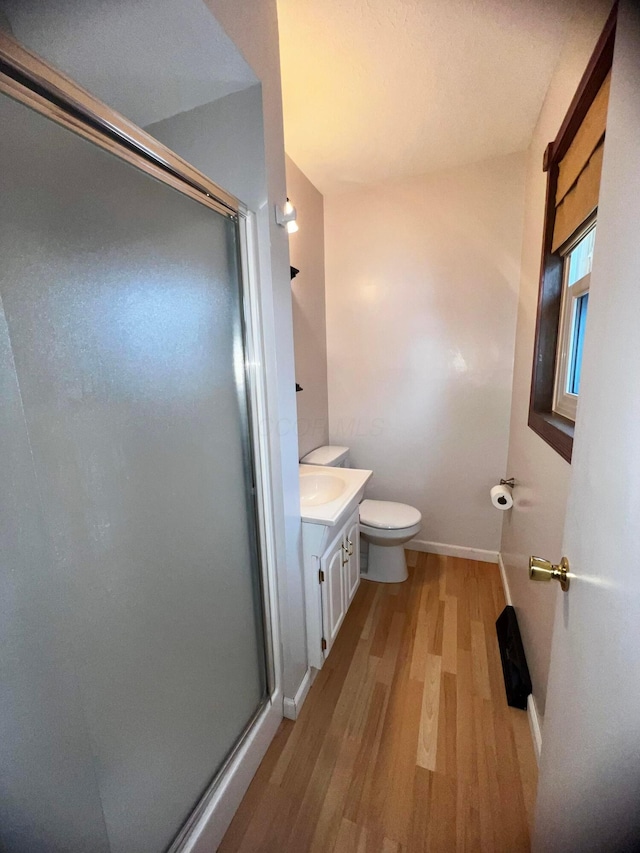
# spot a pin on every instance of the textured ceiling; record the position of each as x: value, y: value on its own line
x: 375, y: 89
x: 149, y: 59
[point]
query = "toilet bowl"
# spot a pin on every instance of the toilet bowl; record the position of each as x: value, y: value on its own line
x: 385, y: 525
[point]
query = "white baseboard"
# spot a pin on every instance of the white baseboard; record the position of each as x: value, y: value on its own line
x: 505, y: 581
x: 208, y: 831
x: 452, y: 550
x: 534, y: 724
x: 293, y: 706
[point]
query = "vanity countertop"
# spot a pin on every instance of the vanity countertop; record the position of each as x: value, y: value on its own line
x: 348, y: 482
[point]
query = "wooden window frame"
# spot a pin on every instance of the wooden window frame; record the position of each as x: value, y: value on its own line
x: 553, y: 428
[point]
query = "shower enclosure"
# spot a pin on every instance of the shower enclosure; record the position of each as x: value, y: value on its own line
x: 132, y: 621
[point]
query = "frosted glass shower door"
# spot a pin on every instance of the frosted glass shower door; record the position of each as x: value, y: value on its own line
x: 131, y: 624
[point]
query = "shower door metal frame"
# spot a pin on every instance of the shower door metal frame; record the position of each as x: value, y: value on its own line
x: 27, y: 78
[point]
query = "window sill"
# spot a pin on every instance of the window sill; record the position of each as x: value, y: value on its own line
x: 555, y: 430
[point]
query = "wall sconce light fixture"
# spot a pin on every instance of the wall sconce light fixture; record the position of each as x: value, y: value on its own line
x: 287, y: 218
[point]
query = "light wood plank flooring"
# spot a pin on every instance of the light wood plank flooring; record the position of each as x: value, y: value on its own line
x: 405, y: 742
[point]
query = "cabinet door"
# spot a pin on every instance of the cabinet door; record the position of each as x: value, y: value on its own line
x: 333, y: 598
x: 352, y: 569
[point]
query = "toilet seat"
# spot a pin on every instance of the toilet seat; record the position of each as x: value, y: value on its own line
x: 388, y: 515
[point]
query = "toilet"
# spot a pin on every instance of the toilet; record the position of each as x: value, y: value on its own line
x: 386, y: 525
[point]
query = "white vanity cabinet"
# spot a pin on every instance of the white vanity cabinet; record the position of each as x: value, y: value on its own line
x: 332, y: 592
x: 352, y: 543
x: 332, y: 569
x: 329, y: 509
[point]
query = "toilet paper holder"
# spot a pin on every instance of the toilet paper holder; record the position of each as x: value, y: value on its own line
x: 510, y: 482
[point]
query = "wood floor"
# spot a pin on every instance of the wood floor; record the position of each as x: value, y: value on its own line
x: 405, y: 742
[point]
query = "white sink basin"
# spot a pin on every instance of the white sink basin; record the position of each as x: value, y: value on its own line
x: 327, y: 496
x: 318, y: 489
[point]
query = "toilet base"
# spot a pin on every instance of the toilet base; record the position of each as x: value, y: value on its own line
x: 387, y: 564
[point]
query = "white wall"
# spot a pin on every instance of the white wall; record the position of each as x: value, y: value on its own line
x: 422, y: 277
x: 536, y: 522
x: 149, y: 60
x: 225, y: 140
x: 306, y: 248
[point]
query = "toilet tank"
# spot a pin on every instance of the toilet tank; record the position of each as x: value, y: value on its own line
x: 331, y: 455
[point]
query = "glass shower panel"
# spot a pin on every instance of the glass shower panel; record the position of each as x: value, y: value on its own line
x: 123, y: 309
x: 49, y: 798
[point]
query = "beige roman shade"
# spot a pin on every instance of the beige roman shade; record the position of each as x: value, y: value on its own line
x: 579, y: 170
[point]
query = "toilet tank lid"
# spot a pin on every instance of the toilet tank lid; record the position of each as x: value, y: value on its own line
x: 388, y: 515
x: 327, y: 455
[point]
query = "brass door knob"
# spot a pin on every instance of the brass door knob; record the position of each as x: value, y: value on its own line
x: 543, y: 570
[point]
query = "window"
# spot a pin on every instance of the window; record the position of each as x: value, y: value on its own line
x: 573, y: 162
x: 577, y: 263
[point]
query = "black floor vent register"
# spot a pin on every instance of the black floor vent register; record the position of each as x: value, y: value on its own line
x: 517, y: 680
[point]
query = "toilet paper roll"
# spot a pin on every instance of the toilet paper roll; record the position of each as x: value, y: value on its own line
x: 501, y: 497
